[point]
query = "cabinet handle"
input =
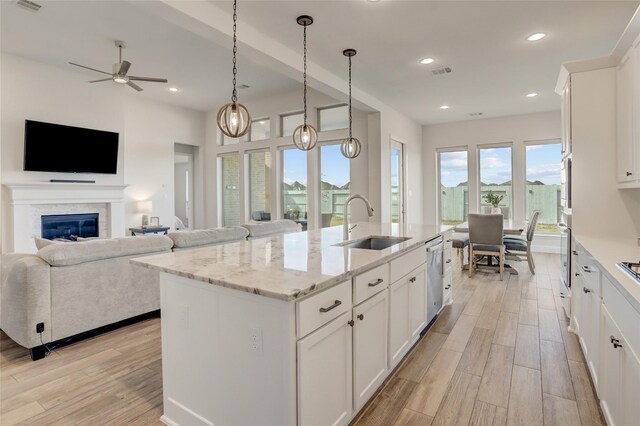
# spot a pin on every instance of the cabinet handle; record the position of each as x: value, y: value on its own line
x: 376, y: 282
x: 587, y: 269
x: 629, y: 173
x: 361, y: 317
x: 412, y: 279
x: 615, y: 342
x: 574, y: 252
x: 328, y: 308
x: 586, y: 290
x: 350, y: 322
x: 449, y: 241
x: 448, y: 261
x: 448, y: 287
x: 577, y: 274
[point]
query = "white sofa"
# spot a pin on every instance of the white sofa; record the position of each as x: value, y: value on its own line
x: 77, y: 287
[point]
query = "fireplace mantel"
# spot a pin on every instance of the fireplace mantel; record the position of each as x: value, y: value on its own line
x: 22, y: 198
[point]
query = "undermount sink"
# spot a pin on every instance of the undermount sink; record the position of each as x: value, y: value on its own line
x: 374, y: 242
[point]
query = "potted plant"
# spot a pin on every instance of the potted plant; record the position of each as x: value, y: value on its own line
x: 494, y: 200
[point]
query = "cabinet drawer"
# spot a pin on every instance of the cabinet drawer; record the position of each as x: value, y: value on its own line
x: 625, y: 316
x: 447, y: 283
x: 407, y: 263
x: 319, y: 309
x: 448, y: 241
x: 369, y: 283
x: 591, y: 276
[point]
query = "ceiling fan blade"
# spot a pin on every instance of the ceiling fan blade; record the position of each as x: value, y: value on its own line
x: 124, y: 67
x: 98, y: 81
x: 135, y: 86
x: 150, y: 79
x: 89, y: 68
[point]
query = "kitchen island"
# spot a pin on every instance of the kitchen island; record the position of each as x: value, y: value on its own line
x: 291, y: 329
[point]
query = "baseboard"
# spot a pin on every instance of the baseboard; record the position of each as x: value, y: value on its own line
x: 38, y: 351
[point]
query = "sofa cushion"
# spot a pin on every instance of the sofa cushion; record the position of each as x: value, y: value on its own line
x: 43, y: 242
x: 201, y: 237
x: 263, y: 229
x: 88, y: 251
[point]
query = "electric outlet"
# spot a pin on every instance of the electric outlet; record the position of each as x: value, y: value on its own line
x: 255, y: 341
x: 39, y: 327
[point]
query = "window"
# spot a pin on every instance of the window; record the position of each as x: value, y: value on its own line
x: 226, y: 140
x: 260, y: 185
x: 294, y: 184
x: 453, y: 177
x: 543, y: 184
x: 496, y: 179
x: 334, y: 184
x: 230, y: 173
x: 290, y: 122
x: 260, y: 129
x: 333, y: 118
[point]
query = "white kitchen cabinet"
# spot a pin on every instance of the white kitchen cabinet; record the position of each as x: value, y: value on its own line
x: 565, y: 114
x: 325, y: 379
x: 590, y: 317
x: 417, y: 302
x: 620, y: 375
x: 370, y: 331
x: 399, y: 334
x: 628, y: 118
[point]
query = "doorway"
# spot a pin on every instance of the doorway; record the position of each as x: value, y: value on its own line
x: 183, y: 186
x: 398, y: 212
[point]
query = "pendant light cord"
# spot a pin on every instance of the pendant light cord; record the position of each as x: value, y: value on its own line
x: 304, y: 97
x: 234, y: 95
x: 350, y: 118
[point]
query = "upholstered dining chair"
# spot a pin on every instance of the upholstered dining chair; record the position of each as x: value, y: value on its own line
x: 485, y: 239
x: 522, y: 245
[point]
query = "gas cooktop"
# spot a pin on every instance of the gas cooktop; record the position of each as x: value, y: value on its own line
x: 631, y: 268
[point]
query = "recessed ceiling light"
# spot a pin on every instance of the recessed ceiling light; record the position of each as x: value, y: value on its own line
x: 174, y: 89
x: 444, y: 107
x: 373, y: 1
x: 262, y: 122
x: 427, y: 61
x: 536, y: 37
x: 531, y: 95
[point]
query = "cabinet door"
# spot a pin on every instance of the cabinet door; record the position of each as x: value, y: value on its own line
x: 636, y: 109
x: 369, y: 347
x: 625, y: 118
x: 417, y: 302
x: 398, y: 321
x: 565, y: 112
x: 619, y: 375
x: 325, y: 374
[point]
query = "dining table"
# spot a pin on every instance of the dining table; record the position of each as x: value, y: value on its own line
x: 509, y: 227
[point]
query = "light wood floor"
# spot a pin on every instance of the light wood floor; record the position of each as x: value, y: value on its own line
x: 499, y: 355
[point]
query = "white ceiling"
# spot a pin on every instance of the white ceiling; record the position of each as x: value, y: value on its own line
x: 84, y: 32
x: 483, y: 42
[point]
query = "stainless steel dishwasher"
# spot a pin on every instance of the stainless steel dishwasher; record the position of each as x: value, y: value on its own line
x: 434, y: 250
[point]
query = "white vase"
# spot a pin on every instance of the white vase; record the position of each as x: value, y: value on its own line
x: 496, y: 210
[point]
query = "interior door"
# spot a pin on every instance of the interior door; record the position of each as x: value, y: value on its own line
x: 398, y: 212
x: 183, y: 188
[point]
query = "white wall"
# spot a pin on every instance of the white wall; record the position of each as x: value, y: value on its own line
x: 148, y: 130
x: 600, y: 209
x: 516, y: 130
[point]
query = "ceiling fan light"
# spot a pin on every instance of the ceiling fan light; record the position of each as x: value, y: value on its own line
x: 305, y: 137
x: 351, y: 148
x: 234, y: 120
x: 122, y: 79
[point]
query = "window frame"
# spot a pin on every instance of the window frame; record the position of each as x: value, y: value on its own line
x: 462, y: 148
x: 479, y: 148
x: 248, y: 182
x: 283, y: 116
x: 319, y: 177
x: 221, y: 197
x: 525, y: 144
x: 250, y: 133
x: 319, y: 114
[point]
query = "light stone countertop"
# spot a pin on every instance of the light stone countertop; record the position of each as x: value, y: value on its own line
x: 288, y: 266
x: 608, y: 254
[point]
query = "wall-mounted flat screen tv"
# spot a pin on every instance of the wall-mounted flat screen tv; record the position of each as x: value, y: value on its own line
x: 65, y: 149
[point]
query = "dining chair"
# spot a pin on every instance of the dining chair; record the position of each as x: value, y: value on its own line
x: 485, y: 239
x: 523, y: 244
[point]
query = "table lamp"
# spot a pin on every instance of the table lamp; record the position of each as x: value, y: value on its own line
x: 145, y: 207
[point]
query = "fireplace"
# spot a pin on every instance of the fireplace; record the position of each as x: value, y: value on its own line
x: 69, y: 226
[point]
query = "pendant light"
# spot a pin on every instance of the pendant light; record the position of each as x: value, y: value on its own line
x: 351, y: 146
x: 234, y: 119
x: 305, y: 136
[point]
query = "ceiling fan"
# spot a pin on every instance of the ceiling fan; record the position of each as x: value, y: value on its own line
x: 120, y: 70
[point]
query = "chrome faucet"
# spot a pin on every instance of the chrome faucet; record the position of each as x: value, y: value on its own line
x: 345, y: 225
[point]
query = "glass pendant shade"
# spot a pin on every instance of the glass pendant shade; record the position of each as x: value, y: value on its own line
x: 305, y: 137
x: 234, y: 120
x: 351, y: 147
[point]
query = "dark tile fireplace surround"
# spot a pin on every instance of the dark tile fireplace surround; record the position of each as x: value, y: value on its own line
x: 70, y: 226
